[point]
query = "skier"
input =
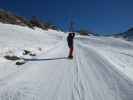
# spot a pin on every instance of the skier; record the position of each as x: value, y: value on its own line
x: 70, y: 42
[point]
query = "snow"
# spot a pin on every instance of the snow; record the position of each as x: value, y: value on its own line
x: 101, y: 68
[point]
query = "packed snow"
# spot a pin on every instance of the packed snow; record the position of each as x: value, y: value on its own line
x: 102, y: 67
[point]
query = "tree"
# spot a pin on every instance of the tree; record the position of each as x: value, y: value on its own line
x: 35, y: 22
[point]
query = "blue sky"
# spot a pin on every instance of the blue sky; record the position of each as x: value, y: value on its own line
x: 100, y: 16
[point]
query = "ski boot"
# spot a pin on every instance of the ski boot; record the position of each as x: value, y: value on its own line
x: 70, y: 57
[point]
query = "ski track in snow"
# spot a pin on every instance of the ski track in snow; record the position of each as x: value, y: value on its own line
x: 91, y: 75
x: 113, y: 86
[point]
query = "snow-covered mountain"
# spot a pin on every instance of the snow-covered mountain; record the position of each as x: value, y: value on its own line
x: 102, y: 68
x: 128, y: 35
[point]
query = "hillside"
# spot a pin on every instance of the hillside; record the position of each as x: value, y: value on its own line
x: 11, y: 18
x: 127, y: 35
x: 101, y: 68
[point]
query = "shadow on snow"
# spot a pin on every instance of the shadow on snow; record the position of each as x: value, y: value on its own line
x: 46, y: 59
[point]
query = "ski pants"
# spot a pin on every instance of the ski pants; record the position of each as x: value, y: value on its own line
x: 71, y: 51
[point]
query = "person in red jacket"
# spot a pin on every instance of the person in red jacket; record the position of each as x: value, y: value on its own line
x: 70, y: 41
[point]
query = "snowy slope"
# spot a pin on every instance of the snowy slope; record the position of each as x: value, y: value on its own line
x: 101, y: 68
x: 127, y: 35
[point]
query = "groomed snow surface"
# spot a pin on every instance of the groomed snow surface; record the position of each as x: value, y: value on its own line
x: 102, y: 68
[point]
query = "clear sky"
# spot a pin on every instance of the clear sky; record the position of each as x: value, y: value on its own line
x: 100, y: 16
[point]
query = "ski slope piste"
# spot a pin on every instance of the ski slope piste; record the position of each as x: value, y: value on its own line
x: 102, y: 67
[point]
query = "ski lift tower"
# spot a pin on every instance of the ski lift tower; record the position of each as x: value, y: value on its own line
x: 71, y: 27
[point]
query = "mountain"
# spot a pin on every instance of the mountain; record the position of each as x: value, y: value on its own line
x: 102, y: 67
x: 86, y: 33
x: 128, y: 35
x: 11, y: 18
